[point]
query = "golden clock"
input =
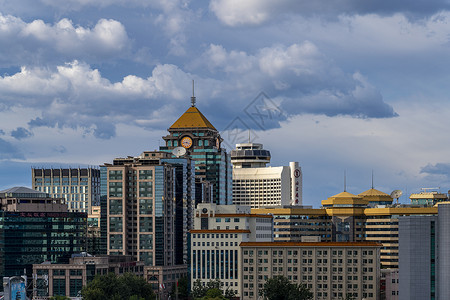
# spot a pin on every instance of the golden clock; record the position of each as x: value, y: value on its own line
x: 186, y: 142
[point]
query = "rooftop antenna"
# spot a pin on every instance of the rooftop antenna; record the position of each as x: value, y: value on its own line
x: 249, y: 136
x: 345, y: 181
x: 193, y: 96
x: 372, y: 179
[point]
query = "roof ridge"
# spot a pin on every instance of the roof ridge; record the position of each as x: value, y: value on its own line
x: 192, y: 118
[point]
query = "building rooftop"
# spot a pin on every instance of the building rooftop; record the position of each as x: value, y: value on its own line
x: 22, y: 192
x: 192, y: 118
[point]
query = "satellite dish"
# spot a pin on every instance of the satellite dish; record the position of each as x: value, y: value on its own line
x: 179, y: 151
x: 396, y: 194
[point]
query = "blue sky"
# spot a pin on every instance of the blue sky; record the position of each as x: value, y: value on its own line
x: 355, y: 86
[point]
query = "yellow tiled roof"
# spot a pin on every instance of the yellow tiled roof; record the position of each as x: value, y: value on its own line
x: 373, y: 192
x: 192, y: 118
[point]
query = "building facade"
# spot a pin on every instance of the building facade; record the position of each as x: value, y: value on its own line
x: 34, y: 228
x: 79, y: 187
x: 257, y: 185
x: 330, y: 270
x: 203, y: 144
x: 148, y: 202
x: 417, y: 277
x: 218, y: 232
x: 68, y: 279
x: 346, y: 217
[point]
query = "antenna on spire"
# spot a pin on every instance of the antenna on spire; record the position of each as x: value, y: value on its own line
x: 372, y: 178
x: 249, y: 136
x: 345, y: 181
x: 193, y: 95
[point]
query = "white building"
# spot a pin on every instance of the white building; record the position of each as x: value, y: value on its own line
x: 257, y: 185
x: 218, y: 232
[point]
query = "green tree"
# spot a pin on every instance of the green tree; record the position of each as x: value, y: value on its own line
x: 280, y: 288
x: 113, y: 287
x: 212, y: 290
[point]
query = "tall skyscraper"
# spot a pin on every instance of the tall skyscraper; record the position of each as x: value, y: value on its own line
x: 202, y: 142
x: 148, y: 204
x: 257, y: 185
x: 80, y: 187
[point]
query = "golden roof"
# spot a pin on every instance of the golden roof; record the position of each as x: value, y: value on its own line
x: 192, y: 118
x: 375, y: 195
x: 344, y: 198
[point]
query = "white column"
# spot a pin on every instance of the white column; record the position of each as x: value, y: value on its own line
x: 296, y: 183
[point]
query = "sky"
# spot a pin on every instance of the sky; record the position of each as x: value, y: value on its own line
x: 339, y: 86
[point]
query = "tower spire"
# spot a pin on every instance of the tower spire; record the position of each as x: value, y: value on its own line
x: 345, y: 181
x: 372, y: 178
x: 193, y: 95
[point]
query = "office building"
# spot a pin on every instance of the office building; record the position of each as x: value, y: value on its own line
x: 148, y: 201
x: 34, y: 228
x: 218, y: 232
x: 345, y: 217
x: 79, y: 187
x: 424, y: 250
x: 68, y: 279
x: 203, y: 144
x: 332, y: 270
x: 257, y: 185
x: 389, y: 284
x: 417, y: 259
x: 428, y: 196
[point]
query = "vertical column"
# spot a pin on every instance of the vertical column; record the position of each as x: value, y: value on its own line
x: 296, y: 183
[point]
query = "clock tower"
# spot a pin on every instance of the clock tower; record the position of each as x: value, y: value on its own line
x: 202, y: 142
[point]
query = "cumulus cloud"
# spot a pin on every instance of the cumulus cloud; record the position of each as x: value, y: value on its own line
x: 28, y: 43
x: 438, y: 169
x: 75, y: 95
x: 255, y: 12
x: 9, y: 151
x: 21, y: 133
x: 300, y: 79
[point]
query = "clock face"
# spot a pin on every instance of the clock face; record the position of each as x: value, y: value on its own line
x: 186, y: 142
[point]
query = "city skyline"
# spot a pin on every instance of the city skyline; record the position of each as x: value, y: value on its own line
x: 355, y: 88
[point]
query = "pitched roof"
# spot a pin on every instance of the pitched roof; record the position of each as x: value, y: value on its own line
x: 21, y: 190
x: 192, y: 118
x: 373, y: 192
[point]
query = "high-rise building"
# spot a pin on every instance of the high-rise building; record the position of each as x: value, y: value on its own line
x: 203, y: 144
x: 35, y: 228
x: 345, y: 217
x: 218, y: 232
x: 257, y: 185
x: 417, y: 269
x: 424, y: 255
x: 79, y: 187
x: 148, y: 202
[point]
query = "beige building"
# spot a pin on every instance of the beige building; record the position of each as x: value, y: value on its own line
x: 370, y: 216
x: 257, y: 185
x: 218, y: 232
x: 68, y: 279
x: 330, y: 270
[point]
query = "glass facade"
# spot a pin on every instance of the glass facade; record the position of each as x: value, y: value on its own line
x: 79, y: 187
x: 31, y: 238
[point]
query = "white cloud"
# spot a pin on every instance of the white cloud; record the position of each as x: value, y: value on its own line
x: 37, y: 41
x: 300, y: 77
x: 256, y: 12
x: 74, y: 95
